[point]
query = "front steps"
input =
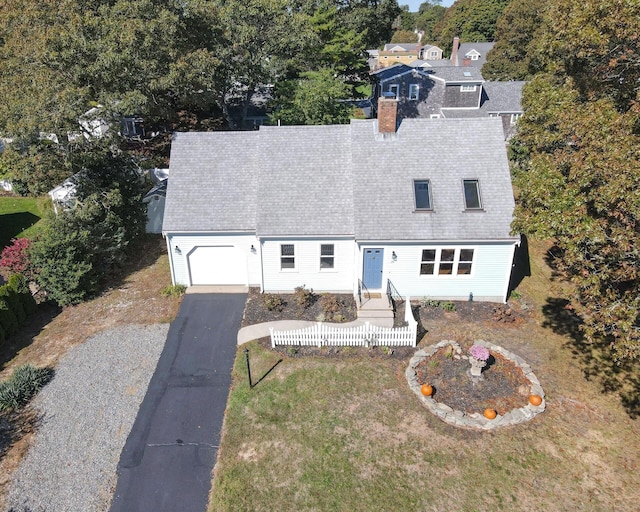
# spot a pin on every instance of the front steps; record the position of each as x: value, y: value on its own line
x: 376, y: 311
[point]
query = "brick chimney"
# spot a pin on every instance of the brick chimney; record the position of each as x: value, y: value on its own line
x: 387, y: 115
x: 466, y: 61
x: 454, y: 51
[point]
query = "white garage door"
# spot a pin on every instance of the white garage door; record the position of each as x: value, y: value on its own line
x: 218, y: 265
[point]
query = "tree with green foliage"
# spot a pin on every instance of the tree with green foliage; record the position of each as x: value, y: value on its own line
x: 470, y: 20
x: 84, y: 244
x: 147, y: 57
x: 578, y: 149
x: 428, y: 16
x: 404, y: 36
x: 514, y: 57
x: 317, y: 98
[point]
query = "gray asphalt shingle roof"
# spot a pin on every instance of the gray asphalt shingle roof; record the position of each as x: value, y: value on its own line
x: 503, y: 96
x: 342, y: 180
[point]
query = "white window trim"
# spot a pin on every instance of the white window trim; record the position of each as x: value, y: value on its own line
x: 434, y: 116
x: 295, y: 257
x: 514, y: 118
x: 468, y: 88
x: 395, y: 88
x: 320, y: 256
x: 456, y: 262
x: 474, y: 56
x: 414, y: 92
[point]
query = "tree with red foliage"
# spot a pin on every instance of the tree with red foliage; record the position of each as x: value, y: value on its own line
x: 15, y: 256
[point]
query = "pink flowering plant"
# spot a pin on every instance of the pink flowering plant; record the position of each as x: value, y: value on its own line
x: 479, y: 352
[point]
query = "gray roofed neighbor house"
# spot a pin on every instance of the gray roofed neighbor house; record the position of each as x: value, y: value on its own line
x: 481, y: 48
x: 502, y: 97
x: 342, y: 180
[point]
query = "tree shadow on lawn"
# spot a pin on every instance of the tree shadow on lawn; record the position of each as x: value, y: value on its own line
x: 34, y: 324
x: 596, y: 358
x: 12, y: 224
x: 141, y: 254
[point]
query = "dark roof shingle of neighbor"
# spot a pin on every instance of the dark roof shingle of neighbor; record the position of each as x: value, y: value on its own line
x: 342, y: 180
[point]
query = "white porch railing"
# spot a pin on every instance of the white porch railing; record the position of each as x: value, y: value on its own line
x: 367, y: 335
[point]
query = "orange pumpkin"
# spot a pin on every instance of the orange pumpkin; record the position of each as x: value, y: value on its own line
x: 535, y: 400
x: 426, y: 390
x: 490, y: 414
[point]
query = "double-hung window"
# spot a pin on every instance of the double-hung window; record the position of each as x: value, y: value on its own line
x: 287, y: 257
x: 413, y: 91
x: 327, y: 256
x: 467, y: 88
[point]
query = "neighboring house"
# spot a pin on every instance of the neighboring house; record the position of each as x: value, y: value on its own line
x: 155, y: 200
x: 424, y: 92
x: 342, y: 207
x: 499, y: 99
x: 469, y: 54
x: 63, y: 196
x: 448, y: 91
x: 405, y: 53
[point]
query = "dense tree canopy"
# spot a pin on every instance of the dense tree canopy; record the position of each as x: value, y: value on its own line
x: 429, y: 14
x: 470, y: 20
x: 514, y: 56
x: 579, y: 147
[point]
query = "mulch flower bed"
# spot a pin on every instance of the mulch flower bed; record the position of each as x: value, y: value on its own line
x: 256, y: 311
x: 503, y: 386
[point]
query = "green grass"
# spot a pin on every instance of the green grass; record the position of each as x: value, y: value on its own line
x: 347, y: 434
x: 20, y: 216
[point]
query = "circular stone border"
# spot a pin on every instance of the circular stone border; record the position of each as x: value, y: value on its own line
x: 476, y: 420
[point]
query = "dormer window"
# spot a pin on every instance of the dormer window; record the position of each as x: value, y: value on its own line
x: 422, y: 195
x: 471, y: 195
x: 413, y: 91
x: 467, y: 88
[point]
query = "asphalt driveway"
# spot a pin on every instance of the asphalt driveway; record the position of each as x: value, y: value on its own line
x: 167, y: 460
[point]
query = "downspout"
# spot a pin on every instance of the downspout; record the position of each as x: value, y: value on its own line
x: 260, y: 243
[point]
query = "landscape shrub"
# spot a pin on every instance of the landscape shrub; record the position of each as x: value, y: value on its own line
x: 303, y: 297
x: 15, y: 256
x: 330, y: 304
x: 8, y: 319
x: 174, y: 290
x: 273, y: 302
x: 19, y: 284
x: 14, y: 303
x: 23, y: 384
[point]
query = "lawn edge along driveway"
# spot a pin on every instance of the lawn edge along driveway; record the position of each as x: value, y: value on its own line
x: 167, y: 460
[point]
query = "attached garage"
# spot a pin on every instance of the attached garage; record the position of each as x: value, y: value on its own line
x: 217, y: 265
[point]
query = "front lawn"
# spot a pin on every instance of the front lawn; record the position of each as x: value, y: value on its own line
x: 345, y: 433
x: 19, y: 217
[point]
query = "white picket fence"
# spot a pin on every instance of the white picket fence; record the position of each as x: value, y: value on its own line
x: 367, y: 335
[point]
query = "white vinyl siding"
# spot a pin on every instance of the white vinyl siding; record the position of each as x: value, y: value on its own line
x: 308, y: 271
x: 488, y: 278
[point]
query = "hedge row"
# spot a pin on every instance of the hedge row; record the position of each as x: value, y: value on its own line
x: 16, y: 304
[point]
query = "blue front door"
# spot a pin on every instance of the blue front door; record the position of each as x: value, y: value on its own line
x: 372, y: 268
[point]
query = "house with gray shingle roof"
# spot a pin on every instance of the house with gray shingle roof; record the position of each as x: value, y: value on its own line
x: 344, y: 207
x: 448, y: 91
